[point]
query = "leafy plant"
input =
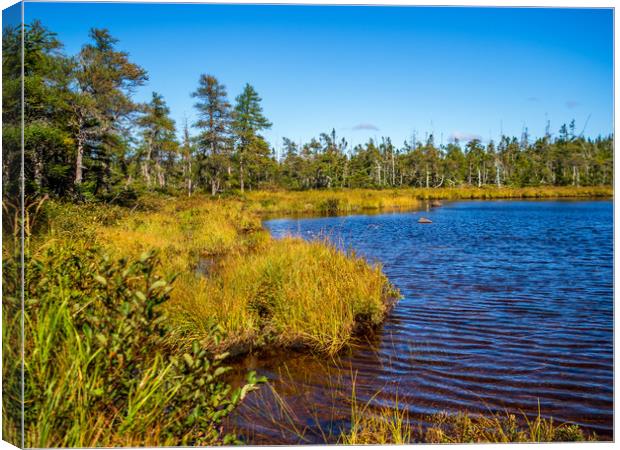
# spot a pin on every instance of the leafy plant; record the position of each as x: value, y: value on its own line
x: 97, y: 367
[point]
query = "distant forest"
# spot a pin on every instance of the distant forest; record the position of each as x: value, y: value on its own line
x: 87, y: 139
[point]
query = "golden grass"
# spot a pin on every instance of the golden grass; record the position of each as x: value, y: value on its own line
x: 183, y: 230
x: 392, y: 425
x: 330, y: 201
x: 356, y: 200
x: 253, y: 290
x: 465, y: 428
x: 289, y: 293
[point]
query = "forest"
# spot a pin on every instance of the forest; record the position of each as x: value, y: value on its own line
x: 86, y: 138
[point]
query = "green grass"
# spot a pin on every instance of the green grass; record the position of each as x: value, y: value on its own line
x: 255, y: 290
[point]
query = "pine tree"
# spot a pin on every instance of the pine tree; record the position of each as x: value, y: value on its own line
x: 106, y: 79
x: 159, y: 141
x: 214, y: 141
x: 248, y: 122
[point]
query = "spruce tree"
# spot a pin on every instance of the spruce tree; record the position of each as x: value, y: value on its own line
x: 214, y: 142
x: 248, y: 122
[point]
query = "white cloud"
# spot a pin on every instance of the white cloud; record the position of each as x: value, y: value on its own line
x: 365, y: 126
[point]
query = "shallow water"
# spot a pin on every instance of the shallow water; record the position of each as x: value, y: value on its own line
x: 507, y: 306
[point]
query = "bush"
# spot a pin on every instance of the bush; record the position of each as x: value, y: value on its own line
x: 97, y: 369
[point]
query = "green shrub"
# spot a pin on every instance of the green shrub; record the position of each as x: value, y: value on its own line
x: 97, y: 369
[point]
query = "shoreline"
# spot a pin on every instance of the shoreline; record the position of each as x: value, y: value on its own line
x: 259, y: 292
x: 266, y: 217
x: 339, y: 201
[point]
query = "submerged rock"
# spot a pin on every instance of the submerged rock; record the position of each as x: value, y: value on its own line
x: 424, y: 220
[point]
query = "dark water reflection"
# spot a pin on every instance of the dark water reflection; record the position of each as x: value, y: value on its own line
x: 507, y: 305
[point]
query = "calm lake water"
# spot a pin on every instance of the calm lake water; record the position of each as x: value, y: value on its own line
x: 507, y: 305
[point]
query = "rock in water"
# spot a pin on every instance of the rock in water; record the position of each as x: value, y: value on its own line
x: 424, y: 220
x: 436, y: 203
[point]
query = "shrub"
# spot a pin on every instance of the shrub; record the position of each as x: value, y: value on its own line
x: 97, y: 369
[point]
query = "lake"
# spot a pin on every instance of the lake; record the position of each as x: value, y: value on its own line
x: 507, y: 306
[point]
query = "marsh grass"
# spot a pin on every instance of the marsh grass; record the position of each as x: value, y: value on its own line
x: 257, y: 291
x: 343, y: 201
x: 496, y: 427
x: 253, y: 292
x: 392, y: 425
x: 291, y: 293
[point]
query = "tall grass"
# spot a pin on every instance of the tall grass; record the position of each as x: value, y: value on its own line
x: 290, y: 293
x: 464, y: 428
x: 392, y: 425
x: 254, y: 290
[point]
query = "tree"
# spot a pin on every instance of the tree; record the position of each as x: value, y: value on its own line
x: 159, y: 141
x: 47, y: 140
x: 214, y: 141
x: 103, y: 107
x: 187, y: 153
x: 248, y: 122
x: 475, y: 159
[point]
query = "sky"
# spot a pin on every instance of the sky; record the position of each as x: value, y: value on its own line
x: 367, y: 71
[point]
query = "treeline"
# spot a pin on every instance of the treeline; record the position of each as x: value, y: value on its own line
x: 85, y: 137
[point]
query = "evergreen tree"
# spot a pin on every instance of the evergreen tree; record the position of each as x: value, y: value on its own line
x: 214, y: 141
x: 248, y: 122
x: 47, y: 140
x: 159, y: 141
x: 106, y: 80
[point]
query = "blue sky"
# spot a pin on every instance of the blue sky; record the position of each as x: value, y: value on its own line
x: 369, y: 71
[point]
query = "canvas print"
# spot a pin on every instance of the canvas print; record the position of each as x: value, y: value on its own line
x: 243, y: 224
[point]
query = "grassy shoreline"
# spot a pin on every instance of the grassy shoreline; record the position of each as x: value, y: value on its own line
x: 172, y: 287
x: 343, y: 201
x: 236, y: 288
